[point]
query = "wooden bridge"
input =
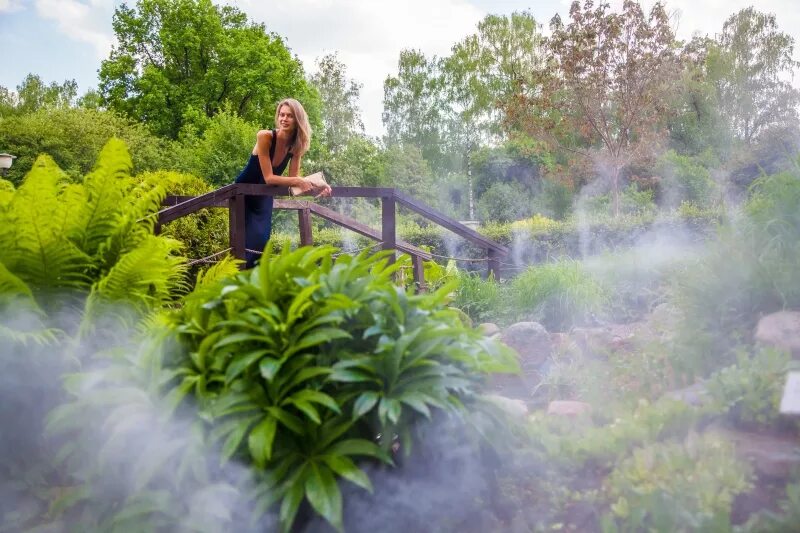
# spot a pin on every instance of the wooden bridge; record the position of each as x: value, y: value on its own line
x: 232, y: 197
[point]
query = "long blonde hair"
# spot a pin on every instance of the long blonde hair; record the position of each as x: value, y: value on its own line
x: 302, y: 137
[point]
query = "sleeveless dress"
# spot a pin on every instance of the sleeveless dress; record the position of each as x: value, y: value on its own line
x: 258, y: 209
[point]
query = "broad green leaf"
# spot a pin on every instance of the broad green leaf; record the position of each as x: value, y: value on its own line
x: 346, y: 468
x: 240, y: 363
x: 269, y: 367
x: 308, y: 409
x: 389, y: 408
x: 364, y: 403
x: 324, y: 495
x: 291, y: 422
x: 236, y: 436
x: 359, y: 447
x: 290, y: 504
x: 260, y: 441
x: 321, y: 398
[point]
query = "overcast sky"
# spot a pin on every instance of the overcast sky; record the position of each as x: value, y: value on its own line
x: 67, y: 39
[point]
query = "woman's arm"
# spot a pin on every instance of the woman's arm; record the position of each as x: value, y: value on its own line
x: 263, y: 142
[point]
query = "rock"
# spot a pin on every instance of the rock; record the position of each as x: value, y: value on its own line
x: 780, y: 330
x: 694, y: 395
x: 593, y: 340
x: 488, y: 329
x: 772, y: 455
x: 531, y: 341
x: 511, y: 406
x: 568, y: 408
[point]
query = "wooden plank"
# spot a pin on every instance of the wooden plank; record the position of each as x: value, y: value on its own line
x: 494, y: 264
x: 363, y: 229
x: 388, y: 225
x: 419, y: 274
x: 447, y: 222
x: 188, y: 207
x: 236, y: 226
x: 304, y: 220
x: 175, y: 200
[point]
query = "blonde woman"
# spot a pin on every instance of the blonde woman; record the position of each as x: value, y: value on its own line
x: 274, y: 150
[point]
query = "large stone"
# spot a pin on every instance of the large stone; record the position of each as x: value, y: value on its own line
x: 694, y: 395
x: 780, y: 330
x: 772, y: 455
x: 531, y: 341
x: 488, y: 329
x: 511, y: 406
x: 568, y: 408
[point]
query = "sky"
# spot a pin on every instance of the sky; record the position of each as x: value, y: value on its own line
x: 67, y: 39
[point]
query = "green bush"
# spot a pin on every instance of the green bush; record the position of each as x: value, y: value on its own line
x: 559, y: 295
x: 75, y: 137
x: 750, y: 270
x: 677, y: 486
x: 750, y: 391
x: 300, y: 363
x: 687, y: 178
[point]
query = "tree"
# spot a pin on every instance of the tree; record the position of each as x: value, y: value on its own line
x: 341, y: 118
x: 414, y: 106
x: 604, y: 93
x: 492, y: 65
x: 751, y: 67
x: 34, y: 94
x: 189, y: 56
x: 74, y: 137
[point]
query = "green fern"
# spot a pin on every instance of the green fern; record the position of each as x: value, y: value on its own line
x: 106, y: 196
x: 149, y: 276
x: 34, y: 245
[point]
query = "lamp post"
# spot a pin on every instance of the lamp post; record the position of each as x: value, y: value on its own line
x: 6, y: 160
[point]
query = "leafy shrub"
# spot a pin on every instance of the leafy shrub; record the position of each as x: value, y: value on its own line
x: 479, y: 298
x: 504, y: 202
x: 557, y: 294
x: 202, y: 233
x: 302, y: 362
x: 750, y: 270
x: 687, y: 178
x: 74, y: 139
x: 677, y: 486
x: 750, y: 391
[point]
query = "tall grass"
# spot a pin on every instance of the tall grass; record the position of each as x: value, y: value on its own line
x: 559, y: 295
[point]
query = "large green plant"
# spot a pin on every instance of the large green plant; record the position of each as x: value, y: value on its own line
x: 308, y: 363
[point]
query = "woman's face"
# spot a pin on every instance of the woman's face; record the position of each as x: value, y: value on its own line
x: 286, y: 120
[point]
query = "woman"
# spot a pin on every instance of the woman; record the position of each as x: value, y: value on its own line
x: 274, y: 150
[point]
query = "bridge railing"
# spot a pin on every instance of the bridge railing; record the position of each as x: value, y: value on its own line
x: 232, y: 197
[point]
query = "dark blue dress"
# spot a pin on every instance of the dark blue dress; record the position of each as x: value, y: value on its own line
x: 258, y: 209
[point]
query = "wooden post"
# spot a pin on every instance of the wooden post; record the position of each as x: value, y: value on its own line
x: 494, y: 263
x: 304, y: 220
x: 388, y: 225
x: 236, y: 222
x: 419, y: 273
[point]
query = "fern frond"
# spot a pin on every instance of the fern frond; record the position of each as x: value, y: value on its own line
x: 34, y: 243
x: 12, y: 286
x: 106, y: 190
x: 137, y: 221
x: 226, y: 267
x: 6, y: 193
x: 144, y: 278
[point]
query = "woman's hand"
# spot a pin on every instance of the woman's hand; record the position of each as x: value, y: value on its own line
x: 304, y: 185
x: 324, y: 192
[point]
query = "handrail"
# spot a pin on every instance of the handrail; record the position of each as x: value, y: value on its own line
x: 232, y: 196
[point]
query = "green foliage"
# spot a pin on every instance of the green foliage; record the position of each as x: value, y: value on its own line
x: 479, y: 298
x: 203, y: 233
x: 90, y: 237
x: 687, y: 178
x: 750, y: 391
x: 74, y: 138
x: 677, y: 486
x: 220, y: 152
x: 504, y: 202
x: 750, y: 270
x: 178, y: 58
x: 300, y: 363
x: 559, y: 295
x: 33, y: 94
